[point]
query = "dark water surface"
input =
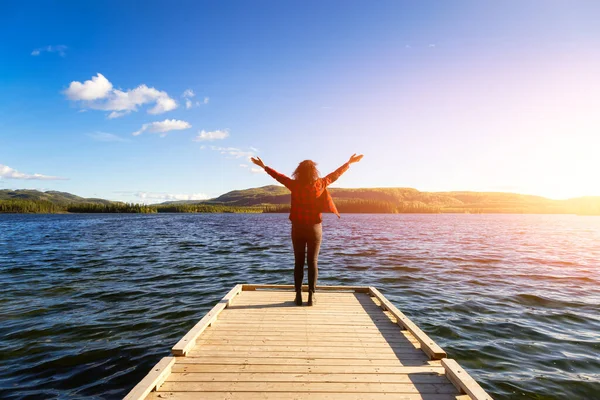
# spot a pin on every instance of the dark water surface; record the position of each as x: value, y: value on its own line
x: 89, y: 303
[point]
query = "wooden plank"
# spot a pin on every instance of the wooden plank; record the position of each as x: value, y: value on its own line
x: 188, y: 341
x: 232, y: 331
x: 307, y: 377
x: 267, y: 349
x: 380, y: 352
x: 333, y: 331
x: 317, y: 345
x: 330, y: 340
x: 310, y: 337
x: 305, y: 369
x: 307, y: 322
x: 238, y: 309
x: 359, y: 354
x: 314, y: 319
x: 296, y: 396
x: 342, y: 291
x: 272, y: 294
x: 152, y: 380
x: 285, y: 298
x: 428, y: 345
x: 304, y: 326
x: 302, y: 387
x: 289, y: 305
x: 237, y: 360
x: 313, y: 343
x: 416, y: 355
x: 463, y: 381
x: 358, y: 289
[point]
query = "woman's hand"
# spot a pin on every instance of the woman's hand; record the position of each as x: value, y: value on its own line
x: 355, y: 158
x: 258, y: 161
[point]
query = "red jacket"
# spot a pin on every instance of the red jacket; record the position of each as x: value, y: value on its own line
x: 309, y: 200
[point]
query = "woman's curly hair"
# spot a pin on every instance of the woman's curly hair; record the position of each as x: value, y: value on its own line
x: 306, y: 172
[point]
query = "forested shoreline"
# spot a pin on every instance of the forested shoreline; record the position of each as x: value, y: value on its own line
x: 46, y: 207
x: 276, y: 199
x: 344, y: 206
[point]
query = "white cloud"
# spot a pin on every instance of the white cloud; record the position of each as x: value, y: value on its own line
x: 163, y: 127
x: 254, y: 149
x: 244, y: 165
x: 9, y: 173
x: 163, y: 104
x: 170, y: 196
x: 117, y: 114
x: 96, y: 88
x: 213, y: 135
x: 106, y: 137
x: 432, y: 45
x: 188, y: 95
x: 98, y: 94
x: 60, y: 49
x: 233, y: 151
x: 257, y: 170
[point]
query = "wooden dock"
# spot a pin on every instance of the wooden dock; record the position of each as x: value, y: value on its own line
x: 353, y: 344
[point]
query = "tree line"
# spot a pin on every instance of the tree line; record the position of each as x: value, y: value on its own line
x: 369, y: 207
x: 343, y: 205
x: 47, y: 207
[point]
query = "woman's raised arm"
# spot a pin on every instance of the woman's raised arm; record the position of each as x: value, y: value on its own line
x: 332, y: 177
x: 281, y: 178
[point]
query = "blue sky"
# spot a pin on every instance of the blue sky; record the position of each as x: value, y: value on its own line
x: 438, y: 95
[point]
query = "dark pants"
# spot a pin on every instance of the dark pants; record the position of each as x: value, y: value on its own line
x: 307, y: 242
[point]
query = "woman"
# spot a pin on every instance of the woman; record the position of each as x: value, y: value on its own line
x: 309, y: 199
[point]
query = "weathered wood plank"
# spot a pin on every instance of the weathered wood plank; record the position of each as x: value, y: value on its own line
x: 463, y: 381
x: 300, y: 311
x: 288, y: 321
x: 325, y: 342
x: 297, y: 396
x: 267, y: 349
x: 322, y: 343
x: 299, y: 387
x: 305, y: 369
x: 407, y: 355
x: 425, y: 361
x: 399, y: 352
x: 306, y: 335
x: 152, y: 380
x: 187, y: 342
x: 428, y: 345
x: 358, y: 289
x: 307, y: 377
x: 304, y: 319
x: 304, y: 327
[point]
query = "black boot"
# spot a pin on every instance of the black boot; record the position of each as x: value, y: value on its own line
x: 312, y: 299
x: 298, y: 298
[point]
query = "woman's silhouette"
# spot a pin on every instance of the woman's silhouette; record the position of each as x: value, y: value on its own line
x: 309, y: 199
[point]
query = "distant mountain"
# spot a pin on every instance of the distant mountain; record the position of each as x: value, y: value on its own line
x: 407, y: 198
x: 384, y: 200
x: 55, y: 197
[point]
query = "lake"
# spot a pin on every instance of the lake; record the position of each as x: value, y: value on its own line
x: 89, y: 303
